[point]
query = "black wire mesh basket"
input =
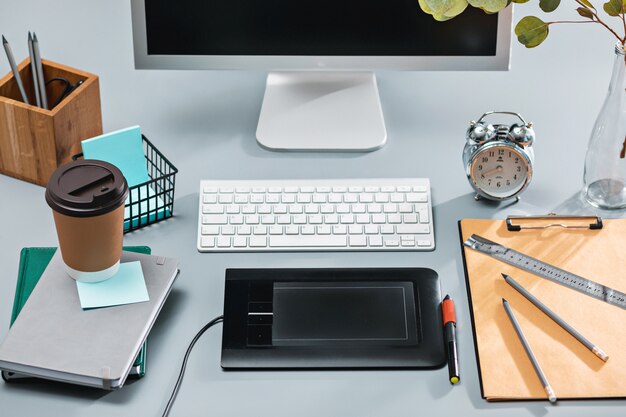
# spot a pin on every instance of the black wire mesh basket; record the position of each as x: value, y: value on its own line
x: 151, y: 201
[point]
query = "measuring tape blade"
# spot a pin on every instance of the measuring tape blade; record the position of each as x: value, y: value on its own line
x: 545, y: 270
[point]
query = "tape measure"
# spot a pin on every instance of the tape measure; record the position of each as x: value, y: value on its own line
x: 545, y: 270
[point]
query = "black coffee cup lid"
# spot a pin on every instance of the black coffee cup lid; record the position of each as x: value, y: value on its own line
x: 86, y: 188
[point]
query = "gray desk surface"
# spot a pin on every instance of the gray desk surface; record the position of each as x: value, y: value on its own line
x: 205, y: 123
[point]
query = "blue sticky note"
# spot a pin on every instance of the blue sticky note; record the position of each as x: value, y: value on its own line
x: 122, y: 148
x: 128, y: 286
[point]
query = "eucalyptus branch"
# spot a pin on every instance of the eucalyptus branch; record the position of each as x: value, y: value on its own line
x: 597, y: 19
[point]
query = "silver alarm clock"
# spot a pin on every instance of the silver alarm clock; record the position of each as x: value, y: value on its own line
x: 498, y: 158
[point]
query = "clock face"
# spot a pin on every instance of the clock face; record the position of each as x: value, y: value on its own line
x: 499, y: 171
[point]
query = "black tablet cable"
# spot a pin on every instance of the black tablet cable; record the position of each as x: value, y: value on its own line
x: 206, y: 327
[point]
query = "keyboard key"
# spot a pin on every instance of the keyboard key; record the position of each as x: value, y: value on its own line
x: 283, y: 219
x: 240, y: 241
x: 304, y: 198
x: 374, y: 208
x: 371, y: 229
x: 209, y: 198
x: 272, y: 198
x: 213, y: 209
x: 316, y: 219
x: 340, y: 229
x: 235, y: 219
x: 259, y: 230
x: 280, y: 209
x: 346, y: 218
x: 324, y: 230
x: 409, y: 218
x: 307, y: 230
x: 259, y: 241
x: 227, y: 230
x: 241, y: 198
x: 223, y: 241
x: 381, y: 198
x: 268, y: 219
x: 299, y: 219
x: 387, y: 229
x: 292, y: 230
x: 244, y: 230
x: 252, y: 219
x: 355, y: 229
x: 210, y: 230
x: 209, y: 189
x: 331, y: 219
x: 207, y: 241
x: 379, y: 218
x: 375, y: 240
x: 225, y: 198
x: 362, y: 218
x: 233, y: 209
x: 319, y: 198
x: 276, y: 230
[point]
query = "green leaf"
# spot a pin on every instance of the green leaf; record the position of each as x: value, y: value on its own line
x: 443, y: 9
x: 520, y: 1
x: 549, y: 5
x: 613, y: 7
x: 585, y: 12
x: 588, y: 4
x: 531, y: 31
x: 489, y: 6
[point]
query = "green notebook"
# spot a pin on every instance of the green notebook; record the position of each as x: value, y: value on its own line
x: 33, y: 262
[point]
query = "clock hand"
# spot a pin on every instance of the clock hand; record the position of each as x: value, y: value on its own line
x: 495, y: 170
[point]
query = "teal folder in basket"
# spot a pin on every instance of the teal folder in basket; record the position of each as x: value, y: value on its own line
x: 33, y: 262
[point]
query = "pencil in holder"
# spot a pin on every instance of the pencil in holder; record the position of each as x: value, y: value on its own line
x: 35, y: 141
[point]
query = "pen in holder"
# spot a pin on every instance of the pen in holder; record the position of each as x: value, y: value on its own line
x: 35, y: 141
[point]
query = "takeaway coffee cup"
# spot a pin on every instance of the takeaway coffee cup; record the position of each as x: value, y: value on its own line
x: 87, y: 200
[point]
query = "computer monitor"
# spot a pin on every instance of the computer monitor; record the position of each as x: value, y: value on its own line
x: 321, y: 92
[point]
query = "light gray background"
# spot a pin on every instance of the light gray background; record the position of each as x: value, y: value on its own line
x: 205, y: 122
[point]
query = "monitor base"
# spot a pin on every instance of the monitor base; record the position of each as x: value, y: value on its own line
x: 321, y: 111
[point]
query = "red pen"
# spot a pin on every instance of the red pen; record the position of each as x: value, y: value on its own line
x: 449, y: 326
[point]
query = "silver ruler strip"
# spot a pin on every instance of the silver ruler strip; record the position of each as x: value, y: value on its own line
x: 545, y: 270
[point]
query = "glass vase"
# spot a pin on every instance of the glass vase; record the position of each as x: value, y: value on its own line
x: 605, y: 163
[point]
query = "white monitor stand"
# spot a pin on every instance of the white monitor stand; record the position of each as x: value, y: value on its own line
x: 321, y: 111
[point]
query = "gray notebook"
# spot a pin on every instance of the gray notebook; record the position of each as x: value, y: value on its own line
x: 54, y: 338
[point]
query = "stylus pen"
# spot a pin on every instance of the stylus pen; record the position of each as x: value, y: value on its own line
x: 33, y: 69
x: 529, y: 352
x: 16, y: 73
x: 40, y: 80
x: 449, y: 326
x: 541, y: 306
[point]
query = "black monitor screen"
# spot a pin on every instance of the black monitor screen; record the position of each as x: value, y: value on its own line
x: 314, y: 28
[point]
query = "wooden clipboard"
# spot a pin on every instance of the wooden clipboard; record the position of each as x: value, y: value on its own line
x: 573, y: 371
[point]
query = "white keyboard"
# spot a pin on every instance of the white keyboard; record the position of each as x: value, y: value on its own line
x: 315, y: 215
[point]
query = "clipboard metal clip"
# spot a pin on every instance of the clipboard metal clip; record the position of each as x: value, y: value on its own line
x: 596, y: 222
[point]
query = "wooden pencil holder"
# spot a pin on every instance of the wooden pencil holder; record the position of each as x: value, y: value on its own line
x: 35, y: 141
